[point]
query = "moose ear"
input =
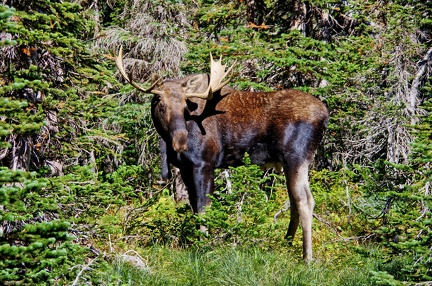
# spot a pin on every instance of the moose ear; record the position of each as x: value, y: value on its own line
x: 196, y: 83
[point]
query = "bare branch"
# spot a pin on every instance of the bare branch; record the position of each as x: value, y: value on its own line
x: 416, y: 84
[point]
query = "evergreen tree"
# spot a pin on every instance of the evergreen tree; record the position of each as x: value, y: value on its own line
x: 408, y: 233
x: 35, y: 246
x: 52, y: 113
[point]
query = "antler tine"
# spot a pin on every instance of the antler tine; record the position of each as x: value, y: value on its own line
x: 119, y: 63
x: 226, y: 73
x: 217, y: 74
x: 128, y: 78
x: 134, y: 84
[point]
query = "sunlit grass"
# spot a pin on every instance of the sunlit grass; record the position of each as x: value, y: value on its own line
x: 236, y: 266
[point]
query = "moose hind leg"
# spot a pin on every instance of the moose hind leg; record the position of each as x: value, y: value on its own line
x: 302, y: 205
x: 294, y: 219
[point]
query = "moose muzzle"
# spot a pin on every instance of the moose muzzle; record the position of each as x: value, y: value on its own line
x: 180, y: 140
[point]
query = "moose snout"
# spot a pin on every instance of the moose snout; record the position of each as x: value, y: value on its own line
x: 180, y: 141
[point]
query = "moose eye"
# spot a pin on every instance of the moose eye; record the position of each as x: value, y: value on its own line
x: 161, y: 107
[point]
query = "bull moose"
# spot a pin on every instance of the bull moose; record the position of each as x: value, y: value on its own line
x: 204, y: 124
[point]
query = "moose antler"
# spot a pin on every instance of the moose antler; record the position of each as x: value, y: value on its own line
x: 128, y: 78
x: 217, y: 74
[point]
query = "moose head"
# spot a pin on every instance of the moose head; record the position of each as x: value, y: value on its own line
x: 205, y: 124
x: 171, y: 97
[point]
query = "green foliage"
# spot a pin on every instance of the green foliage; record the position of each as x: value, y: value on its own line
x: 5, y: 14
x: 398, y: 208
x: 167, y: 224
x: 12, y: 123
x: 52, y: 110
x: 410, y: 226
x: 60, y: 81
x: 35, y: 248
x: 244, y: 215
x: 384, y: 278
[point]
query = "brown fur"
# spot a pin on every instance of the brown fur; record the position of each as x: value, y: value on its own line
x: 277, y: 129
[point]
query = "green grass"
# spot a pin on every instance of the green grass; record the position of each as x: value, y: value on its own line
x: 236, y: 266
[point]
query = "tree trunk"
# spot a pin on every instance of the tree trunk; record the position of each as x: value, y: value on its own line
x: 299, y: 16
x: 256, y: 10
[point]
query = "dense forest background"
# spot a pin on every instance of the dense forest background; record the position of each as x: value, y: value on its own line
x: 81, y: 200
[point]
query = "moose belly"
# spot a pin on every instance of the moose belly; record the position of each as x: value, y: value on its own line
x: 259, y: 154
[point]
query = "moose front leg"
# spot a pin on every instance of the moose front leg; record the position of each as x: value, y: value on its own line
x: 204, y: 186
x: 165, y: 168
x: 200, y: 183
x: 201, y: 186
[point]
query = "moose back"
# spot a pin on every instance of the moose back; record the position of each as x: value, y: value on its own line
x: 204, y: 124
